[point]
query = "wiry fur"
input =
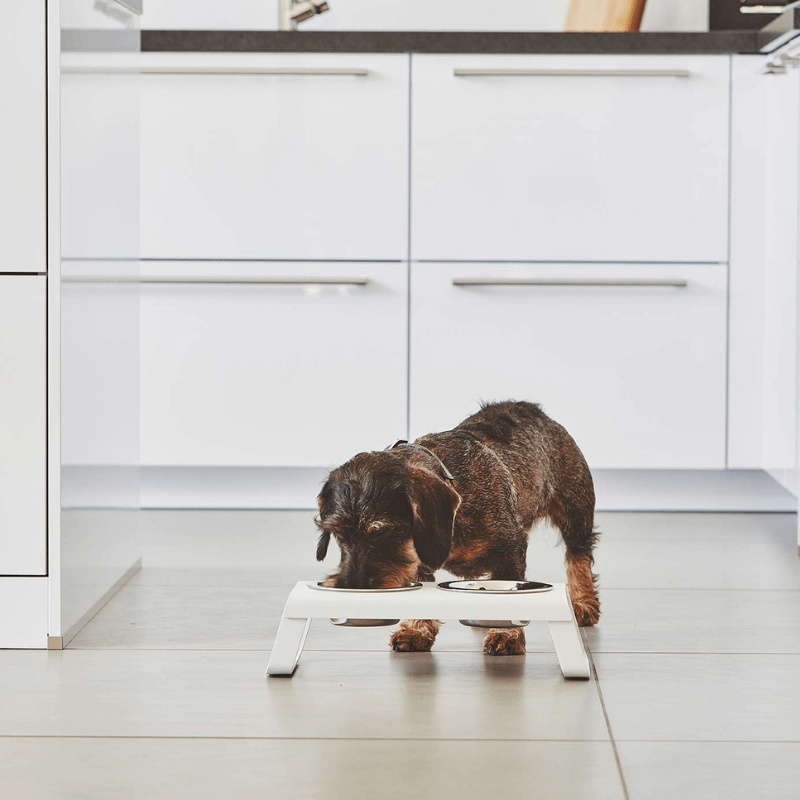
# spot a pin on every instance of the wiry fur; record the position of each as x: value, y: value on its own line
x: 396, y: 518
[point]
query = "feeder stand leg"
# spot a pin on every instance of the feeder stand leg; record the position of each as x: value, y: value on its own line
x: 569, y: 648
x: 288, y: 646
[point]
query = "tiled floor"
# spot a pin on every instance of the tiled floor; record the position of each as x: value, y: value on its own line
x: 696, y: 692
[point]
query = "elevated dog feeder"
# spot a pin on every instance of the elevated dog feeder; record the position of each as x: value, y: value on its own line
x: 428, y: 602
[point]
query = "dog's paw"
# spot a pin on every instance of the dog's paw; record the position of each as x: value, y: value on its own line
x: 587, y: 611
x: 505, y: 642
x: 416, y: 637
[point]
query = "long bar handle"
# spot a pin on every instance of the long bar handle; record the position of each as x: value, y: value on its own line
x: 678, y: 283
x: 215, y: 70
x: 567, y: 73
x: 236, y: 281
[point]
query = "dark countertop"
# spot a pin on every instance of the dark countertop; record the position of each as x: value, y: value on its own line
x: 714, y: 42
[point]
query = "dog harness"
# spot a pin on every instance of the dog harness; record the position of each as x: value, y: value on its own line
x: 405, y: 443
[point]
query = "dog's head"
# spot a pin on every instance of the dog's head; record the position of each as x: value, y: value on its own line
x: 388, y: 518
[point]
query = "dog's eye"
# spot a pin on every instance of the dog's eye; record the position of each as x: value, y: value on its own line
x: 375, y: 526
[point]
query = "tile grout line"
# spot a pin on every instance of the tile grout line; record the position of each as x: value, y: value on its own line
x: 605, y: 716
x: 287, y: 738
x: 190, y: 737
x: 444, y: 651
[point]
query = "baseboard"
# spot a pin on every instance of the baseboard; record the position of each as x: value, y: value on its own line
x: 691, y: 490
x: 617, y: 490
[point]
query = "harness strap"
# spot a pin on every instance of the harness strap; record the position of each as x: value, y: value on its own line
x: 405, y: 443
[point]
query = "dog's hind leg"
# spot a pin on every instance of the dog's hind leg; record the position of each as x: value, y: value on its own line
x: 573, y: 515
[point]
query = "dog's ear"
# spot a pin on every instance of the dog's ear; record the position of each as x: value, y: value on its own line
x: 322, y: 545
x: 324, y: 501
x: 433, y: 504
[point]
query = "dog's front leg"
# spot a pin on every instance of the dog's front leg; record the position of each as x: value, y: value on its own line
x: 505, y: 642
x: 415, y: 635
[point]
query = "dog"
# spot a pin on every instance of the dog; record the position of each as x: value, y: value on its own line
x: 465, y: 500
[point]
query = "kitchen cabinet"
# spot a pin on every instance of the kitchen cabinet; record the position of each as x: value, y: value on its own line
x: 780, y: 148
x: 570, y: 158
x: 23, y: 237
x: 23, y: 535
x: 763, y: 402
x: 629, y: 358
x: 275, y: 156
x: 304, y: 365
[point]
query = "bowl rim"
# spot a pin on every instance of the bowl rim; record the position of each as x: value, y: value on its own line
x: 523, y: 587
x: 318, y: 585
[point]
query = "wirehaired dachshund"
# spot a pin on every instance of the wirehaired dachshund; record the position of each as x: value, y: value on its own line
x: 463, y: 500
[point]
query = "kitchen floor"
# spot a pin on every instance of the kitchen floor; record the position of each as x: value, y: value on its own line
x: 695, y: 693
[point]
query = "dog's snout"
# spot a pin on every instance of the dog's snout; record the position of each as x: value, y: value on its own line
x: 357, y: 578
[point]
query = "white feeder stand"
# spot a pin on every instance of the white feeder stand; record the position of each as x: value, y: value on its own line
x: 306, y: 603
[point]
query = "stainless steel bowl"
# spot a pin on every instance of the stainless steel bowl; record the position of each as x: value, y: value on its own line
x: 495, y: 587
x: 319, y: 585
x: 495, y: 623
x: 346, y: 622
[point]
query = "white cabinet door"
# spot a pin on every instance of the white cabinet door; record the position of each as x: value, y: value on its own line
x: 100, y: 120
x: 23, y: 532
x: 296, y: 156
x: 636, y: 373
x: 780, y: 276
x: 22, y: 137
x: 273, y: 374
x: 569, y: 158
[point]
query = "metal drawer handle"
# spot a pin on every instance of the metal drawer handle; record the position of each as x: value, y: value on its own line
x: 567, y: 73
x: 237, y: 281
x: 215, y: 71
x: 677, y: 283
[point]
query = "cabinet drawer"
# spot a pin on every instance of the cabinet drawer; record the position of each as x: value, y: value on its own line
x: 23, y: 533
x: 570, y: 158
x: 295, y: 156
x: 629, y: 358
x: 273, y: 374
x: 23, y: 224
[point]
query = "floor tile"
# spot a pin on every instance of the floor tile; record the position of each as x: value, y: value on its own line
x: 185, y: 616
x: 635, y: 551
x: 228, y: 539
x: 453, y: 636
x: 196, y: 769
x: 223, y: 576
x: 679, y: 551
x: 701, y: 697
x: 697, y: 621
x: 337, y: 695
x: 752, y: 565
x: 711, y: 770
x: 779, y: 529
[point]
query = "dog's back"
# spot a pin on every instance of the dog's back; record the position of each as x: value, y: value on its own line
x: 541, y: 456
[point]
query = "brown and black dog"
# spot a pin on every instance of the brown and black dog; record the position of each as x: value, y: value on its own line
x: 464, y: 500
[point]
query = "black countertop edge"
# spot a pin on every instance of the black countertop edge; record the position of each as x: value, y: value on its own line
x: 700, y: 43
